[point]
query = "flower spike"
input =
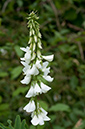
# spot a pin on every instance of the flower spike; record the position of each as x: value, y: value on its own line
x: 33, y: 68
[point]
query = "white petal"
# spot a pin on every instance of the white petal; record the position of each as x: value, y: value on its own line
x: 46, y: 118
x: 38, y: 65
x: 44, y: 88
x: 22, y: 58
x: 43, y: 111
x: 30, y: 107
x: 26, y: 80
x: 28, y: 55
x: 48, y: 58
x: 46, y: 71
x: 23, y: 49
x: 41, y: 121
x: 37, y: 89
x: 35, y: 120
x: 48, y: 78
x: 24, y: 63
x: 34, y: 71
x: 45, y: 64
x: 30, y: 93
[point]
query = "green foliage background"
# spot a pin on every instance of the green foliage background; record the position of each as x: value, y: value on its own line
x: 62, y: 24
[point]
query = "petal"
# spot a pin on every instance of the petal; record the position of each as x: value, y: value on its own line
x: 34, y: 70
x: 48, y: 58
x: 45, y: 64
x: 22, y: 58
x: 43, y: 111
x: 41, y: 121
x: 35, y: 120
x: 48, y: 78
x: 30, y: 107
x: 24, y: 63
x: 38, y: 65
x: 27, y: 55
x: 30, y: 93
x: 26, y: 80
x: 37, y: 89
x: 23, y: 49
x: 46, y: 118
x: 44, y: 88
x: 46, y: 71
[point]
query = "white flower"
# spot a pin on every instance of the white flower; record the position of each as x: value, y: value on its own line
x: 33, y: 91
x: 44, y: 88
x: 26, y: 80
x: 44, y: 69
x: 35, y: 120
x: 27, y: 49
x: 48, y: 58
x: 30, y: 107
x: 32, y: 71
x: 27, y: 57
x: 38, y: 65
x: 48, y: 78
x: 40, y: 117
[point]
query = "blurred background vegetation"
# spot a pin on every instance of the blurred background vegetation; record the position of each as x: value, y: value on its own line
x: 62, y: 24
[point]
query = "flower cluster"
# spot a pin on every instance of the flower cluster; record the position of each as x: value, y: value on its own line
x: 34, y: 70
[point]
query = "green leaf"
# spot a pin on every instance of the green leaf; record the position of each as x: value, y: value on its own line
x: 43, y: 104
x: 17, y: 124
x: 3, y: 74
x: 20, y: 90
x: 23, y: 124
x: 74, y: 82
x: 58, y: 127
x: 16, y: 72
x: 71, y: 14
x: 3, y: 127
x: 60, y: 107
x: 4, y: 106
x: 32, y: 127
x: 18, y: 51
x: 10, y: 124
